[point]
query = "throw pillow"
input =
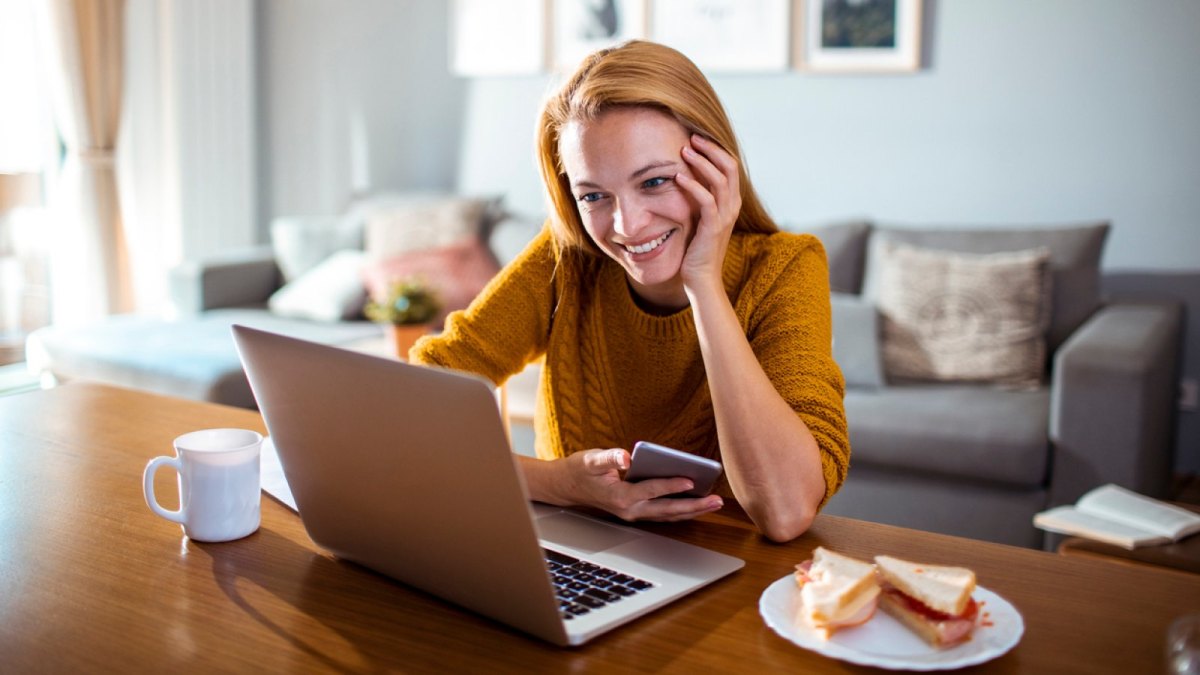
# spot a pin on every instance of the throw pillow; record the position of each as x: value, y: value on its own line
x: 856, y: 345
x: 415, y: 223
x: 1075, y: 254
x: 331, y: 291
x: 301, y: 243
x: 964, y: 317
x: 457, y: 272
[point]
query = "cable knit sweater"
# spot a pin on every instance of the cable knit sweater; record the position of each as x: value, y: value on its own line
x: 614, y: 374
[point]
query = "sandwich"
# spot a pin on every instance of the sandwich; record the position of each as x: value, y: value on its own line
x: 934, y: 601
x: 836, y: 591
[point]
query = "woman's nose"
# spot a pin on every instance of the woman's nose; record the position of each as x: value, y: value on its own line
x: 629, y: 218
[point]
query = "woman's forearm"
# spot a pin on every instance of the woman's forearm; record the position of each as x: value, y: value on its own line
x: 771, y: 458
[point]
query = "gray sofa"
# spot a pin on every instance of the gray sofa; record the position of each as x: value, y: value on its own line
x: 306, y: 283
x: 965, y: 458
x: 979, y: 460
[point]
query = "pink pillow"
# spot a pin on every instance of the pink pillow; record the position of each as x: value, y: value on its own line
x: 457, y: 272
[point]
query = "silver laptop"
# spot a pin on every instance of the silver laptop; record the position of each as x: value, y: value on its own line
x: 408, y: 470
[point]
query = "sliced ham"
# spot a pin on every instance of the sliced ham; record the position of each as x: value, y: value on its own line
x: 938, y: 628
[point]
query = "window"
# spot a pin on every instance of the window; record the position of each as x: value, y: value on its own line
x: 29, y: 150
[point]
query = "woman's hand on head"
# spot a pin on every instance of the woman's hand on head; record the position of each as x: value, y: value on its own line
x: 595, y: 478
x: 715, y: 188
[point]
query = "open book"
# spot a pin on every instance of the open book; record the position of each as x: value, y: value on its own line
x: 1114, y: 515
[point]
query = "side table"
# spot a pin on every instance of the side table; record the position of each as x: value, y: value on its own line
x: 1182, y: 555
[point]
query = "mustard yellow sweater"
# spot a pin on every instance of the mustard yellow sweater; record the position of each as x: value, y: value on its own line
x: 614, y: 374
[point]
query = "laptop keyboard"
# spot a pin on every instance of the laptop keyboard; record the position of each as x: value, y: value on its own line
x: 582, y: 586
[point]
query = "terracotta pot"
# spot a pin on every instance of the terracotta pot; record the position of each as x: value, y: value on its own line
x: 405, y: 336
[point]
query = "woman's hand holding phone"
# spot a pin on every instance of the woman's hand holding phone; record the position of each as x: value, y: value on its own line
x: 596, y: 479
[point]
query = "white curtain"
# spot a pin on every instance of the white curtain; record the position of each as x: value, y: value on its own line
x: 90, y: 272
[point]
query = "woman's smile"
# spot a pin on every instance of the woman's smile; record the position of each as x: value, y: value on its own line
x: 648, y: 247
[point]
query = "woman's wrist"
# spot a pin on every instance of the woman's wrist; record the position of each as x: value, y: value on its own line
x: 545, y: 479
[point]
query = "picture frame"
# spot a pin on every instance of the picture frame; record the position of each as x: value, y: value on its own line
x: 726, y: 35
x: 580, y: 27
x: 491, y: 38
x: 859, y: 36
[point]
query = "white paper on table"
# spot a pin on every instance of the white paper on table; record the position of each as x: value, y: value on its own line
x: 273, y: 480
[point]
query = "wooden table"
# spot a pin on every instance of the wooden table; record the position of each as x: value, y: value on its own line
x: 91, y: 580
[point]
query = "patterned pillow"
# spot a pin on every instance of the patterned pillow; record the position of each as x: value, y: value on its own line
x: 414, y: 223
x: 1075, y: 253
x: 964, y: 317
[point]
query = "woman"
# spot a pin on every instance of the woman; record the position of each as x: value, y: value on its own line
x: 667, y: 305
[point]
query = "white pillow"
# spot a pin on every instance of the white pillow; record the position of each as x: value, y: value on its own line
x: 331, y: 291
x: 301, y: 243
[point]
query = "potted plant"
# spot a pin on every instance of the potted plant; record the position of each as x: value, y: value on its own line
x: 409, y: 308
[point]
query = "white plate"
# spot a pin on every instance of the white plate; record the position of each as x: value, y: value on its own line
x: 884, y: 643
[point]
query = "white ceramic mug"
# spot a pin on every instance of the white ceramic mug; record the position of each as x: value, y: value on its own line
x: 220, y: 489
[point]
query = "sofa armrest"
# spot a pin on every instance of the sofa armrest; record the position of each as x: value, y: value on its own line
x: 1112, y: 401
x: 237, y: 279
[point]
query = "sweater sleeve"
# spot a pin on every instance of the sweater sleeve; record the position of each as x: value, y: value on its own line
x: 791, y: 333
x: 507, y: 324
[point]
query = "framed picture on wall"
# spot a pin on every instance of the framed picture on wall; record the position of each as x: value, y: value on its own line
x: 583, y: 26
x: 725, y: 35
x: 859, y: 35
x: 498, y: 38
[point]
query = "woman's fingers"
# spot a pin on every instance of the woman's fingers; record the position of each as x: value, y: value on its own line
x: 600, y: 462
x: 716, y: 168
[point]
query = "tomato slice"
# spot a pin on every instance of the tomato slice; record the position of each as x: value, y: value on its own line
x: 930, y: 613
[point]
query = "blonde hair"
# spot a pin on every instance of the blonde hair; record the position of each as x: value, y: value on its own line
x: 635, y: 73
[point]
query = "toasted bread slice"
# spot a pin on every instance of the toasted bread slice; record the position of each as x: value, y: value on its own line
x: 941, y: 588
x: 836, y: 591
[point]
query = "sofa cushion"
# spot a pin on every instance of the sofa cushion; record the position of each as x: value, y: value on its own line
x: 954, y: 430
x: 961, y: 316
x: 856, y: 346
x: 1074, y: 262
x: 331, y: 291
x: 302, y: 243
x: 403, y: 224
x: 845, y: 249
x: 192, y: 357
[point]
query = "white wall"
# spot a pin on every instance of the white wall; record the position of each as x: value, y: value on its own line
x: 356, y: 97
x: 187, y: 151
x: 1028, y: 112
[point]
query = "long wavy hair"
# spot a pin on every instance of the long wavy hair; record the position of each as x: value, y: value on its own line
x: 634, y: 73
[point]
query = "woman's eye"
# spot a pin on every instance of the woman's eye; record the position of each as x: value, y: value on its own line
x: 590, y: 197
x: 655, y: 182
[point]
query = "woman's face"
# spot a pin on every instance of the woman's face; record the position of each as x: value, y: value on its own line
x: 622, y: 168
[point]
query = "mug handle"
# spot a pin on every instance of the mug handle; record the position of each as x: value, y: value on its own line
x: 148, y: 487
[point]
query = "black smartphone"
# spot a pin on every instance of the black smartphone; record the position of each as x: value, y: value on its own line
x: 651, y: 460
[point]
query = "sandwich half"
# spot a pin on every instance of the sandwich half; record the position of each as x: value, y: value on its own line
x: 934, y: 601
x: 836, y: 591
